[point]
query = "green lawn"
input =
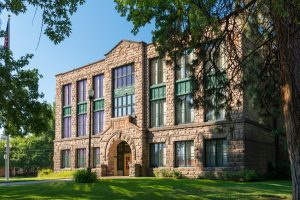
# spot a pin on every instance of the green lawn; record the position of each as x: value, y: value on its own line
x: 150, y: 188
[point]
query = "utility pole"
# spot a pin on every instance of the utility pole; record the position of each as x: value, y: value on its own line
x: 7, y: 158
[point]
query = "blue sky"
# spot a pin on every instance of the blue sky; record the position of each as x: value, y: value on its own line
x: 96, y: 28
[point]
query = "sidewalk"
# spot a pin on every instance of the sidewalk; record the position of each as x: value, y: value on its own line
x: 33, y: 182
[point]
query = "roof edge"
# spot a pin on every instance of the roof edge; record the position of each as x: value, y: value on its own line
x: 72, y: 70
x: 141, y: 42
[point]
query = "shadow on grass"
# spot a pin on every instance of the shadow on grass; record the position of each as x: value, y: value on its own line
x: 150, y: 188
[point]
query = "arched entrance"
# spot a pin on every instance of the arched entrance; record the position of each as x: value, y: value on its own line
x: 119, y: 159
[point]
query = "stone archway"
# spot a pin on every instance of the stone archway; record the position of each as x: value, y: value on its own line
x: 111, y: 154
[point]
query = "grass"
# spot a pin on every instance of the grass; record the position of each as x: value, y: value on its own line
x: 150, y: 188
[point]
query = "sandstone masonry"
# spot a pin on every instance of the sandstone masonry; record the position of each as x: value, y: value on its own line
x: 250, y: 145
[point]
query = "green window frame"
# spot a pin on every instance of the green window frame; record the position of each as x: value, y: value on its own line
x: 96, y: 156
x: 215, y: 95
x: 184, y: 153
x: 65, y: 158
x: 216, y: 152
x: 157, y: 155
x: 185, y: 112
x: 80, y: 158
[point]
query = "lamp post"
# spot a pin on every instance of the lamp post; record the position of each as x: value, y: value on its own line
x: 91, y: 97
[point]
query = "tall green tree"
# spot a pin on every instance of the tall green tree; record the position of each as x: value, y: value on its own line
x: 207, y: 25
x: 31, y: 151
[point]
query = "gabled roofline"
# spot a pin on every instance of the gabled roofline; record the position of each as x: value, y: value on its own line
x: 72, y: 70
x: 131, y: 41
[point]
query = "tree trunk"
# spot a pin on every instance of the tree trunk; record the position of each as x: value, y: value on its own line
x: 288, y: 37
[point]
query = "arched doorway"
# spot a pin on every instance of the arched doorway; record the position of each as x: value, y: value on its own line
x: 119, y: 158
x: 123, y: 159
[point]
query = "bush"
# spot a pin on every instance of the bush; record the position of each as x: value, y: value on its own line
x: 85, y: 176
x: 48, y: 173
x: 44, y: 172
x: 165, y: 173
x: 243, y: 175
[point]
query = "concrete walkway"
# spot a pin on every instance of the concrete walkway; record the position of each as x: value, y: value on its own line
x: 32, y: 182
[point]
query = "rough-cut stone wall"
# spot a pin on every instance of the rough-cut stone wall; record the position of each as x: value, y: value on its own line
x: 136, y: 130
x: 260, y: 148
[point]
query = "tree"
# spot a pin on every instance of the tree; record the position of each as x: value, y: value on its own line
x: 26, y: 152
x: 55, y: 14
x: 207, y: 25
x: 21, y: 111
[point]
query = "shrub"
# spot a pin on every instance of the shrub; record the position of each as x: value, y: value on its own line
x: 48, y: 173
x: 44, y: 172
x: 166, y: 173
x: 85, y: 176
x: 242, y: 175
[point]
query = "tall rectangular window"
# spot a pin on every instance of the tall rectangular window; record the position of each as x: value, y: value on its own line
x: 80, y: 158
x: 157, y: 71
x: 96, y: 156
x: 158, y: 113
x: 65, y: 158
x: 123, y: 76
x: 158, y: 92
x: 99, y: 104
x: 215, y: 87
x: 66, y: 121
x: 157, y: 155
x: 99, y: 86
x: 215, y: 95
x: 184, y: 153
x: 124, y: 97
x: 216, y: 152
x: 183, y: 64
x: 184, y: 109
x: 81, y: 108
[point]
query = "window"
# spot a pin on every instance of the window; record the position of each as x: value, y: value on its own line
x: 98, y: 121
x: 215, y: 88
x: 158, y: 71
x: 184, y: 109
x: 66, y: 111
x: 214, y: 95
x: 183, y: 64
x: 158, y: 113
x: 99, y: 86
x: 81, y: 125
x: 96, y: 156
x: 124, y: 98
x: 123, y: 76
x: 157, y: 155
x: 184, y: 153
x: 98, y: 104
x: 216, y: 152
x: 158, y: 92
x: 81, y: 108
x: 80, y: 158
x: 81, y: 91
x: 124, y: 105
x: 65, y: 158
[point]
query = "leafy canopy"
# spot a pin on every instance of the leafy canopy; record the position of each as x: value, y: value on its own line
x: 55, y: 14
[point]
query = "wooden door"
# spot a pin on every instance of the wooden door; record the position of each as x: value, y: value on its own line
x: 127, y: 160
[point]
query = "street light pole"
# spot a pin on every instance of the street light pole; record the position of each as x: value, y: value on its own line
x: 7, y: 158
x: 91, y: 97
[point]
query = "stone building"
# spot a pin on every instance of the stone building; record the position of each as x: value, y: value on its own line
x: 142, y: 118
